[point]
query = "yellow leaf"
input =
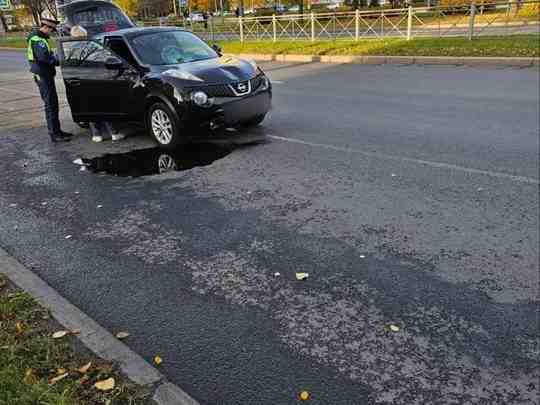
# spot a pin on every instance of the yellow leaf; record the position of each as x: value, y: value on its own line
x: 105, y: 385
x: 122, y: 335
x: 60, y: 334
x: 394, y: 328
x: 19, y: 327
x: 304, y: 395
x: 58, y: 378
x: 61, y: 371
x: 302, y: 276
x: 29, y: 377
x: 84, y: 368
x: 158, y: 360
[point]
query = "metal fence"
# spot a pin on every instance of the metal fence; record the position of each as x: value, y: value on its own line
x: 494, y: 19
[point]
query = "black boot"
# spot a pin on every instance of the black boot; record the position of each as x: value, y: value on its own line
x: 59, y: 137
x: 66, y: 134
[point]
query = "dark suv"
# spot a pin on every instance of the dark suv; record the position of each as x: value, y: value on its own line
x: 166, y: 78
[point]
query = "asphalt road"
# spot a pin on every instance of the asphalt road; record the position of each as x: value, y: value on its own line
x: 408, y: 193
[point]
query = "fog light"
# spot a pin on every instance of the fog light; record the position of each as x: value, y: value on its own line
x: 200, y: 98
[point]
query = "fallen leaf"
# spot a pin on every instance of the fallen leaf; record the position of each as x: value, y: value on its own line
x: 58, y: 378
x: 69, y: 236
x: 394, y: 175
x: 61, y: 371
x: 277, y: 274
x: 60, y: 334
x: 29, y: 377
x: 304, y: 395
x: 44, y: 203
x: 78, y: 162
x: 4, y: 347
x: 122, y: 335
x: 100, y: 206
x: 362, y: 257
x: 77, y: 192
x: 84, y: 368
x: 302, y: 276
x: 75, y: 331
x: 20, y: 328
x: 394, y: 328
x: 105, y: 385
x: 158, y: 360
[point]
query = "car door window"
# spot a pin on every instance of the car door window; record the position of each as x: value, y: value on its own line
x: 87, y: 58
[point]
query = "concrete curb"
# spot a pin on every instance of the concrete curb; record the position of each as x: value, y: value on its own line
x: 92, y: 335
x: 381, y: 60
x: 396, y: 60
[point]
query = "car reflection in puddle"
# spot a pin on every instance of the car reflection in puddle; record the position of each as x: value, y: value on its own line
x: 147, y: 162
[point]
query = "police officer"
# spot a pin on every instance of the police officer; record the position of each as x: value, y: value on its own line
x: 43, y: 64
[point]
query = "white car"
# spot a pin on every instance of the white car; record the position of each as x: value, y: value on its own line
x: 196, y: 17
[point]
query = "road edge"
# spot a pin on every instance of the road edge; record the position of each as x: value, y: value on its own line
x: 92, y: 335
x: 396, y: 60
x: 382, y: 60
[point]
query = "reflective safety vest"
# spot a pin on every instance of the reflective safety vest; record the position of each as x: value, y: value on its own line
x: 31, y: 42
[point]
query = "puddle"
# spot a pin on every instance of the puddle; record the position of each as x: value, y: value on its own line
x: 152, y: 161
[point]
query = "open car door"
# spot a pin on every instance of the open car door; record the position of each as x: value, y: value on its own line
x: 100, y: 85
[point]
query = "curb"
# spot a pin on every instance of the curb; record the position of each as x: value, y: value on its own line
x: 92, y: 335
x: 382, y: 60
x: 396, y: 60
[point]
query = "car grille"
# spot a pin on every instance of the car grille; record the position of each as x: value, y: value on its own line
x: 224, y: 90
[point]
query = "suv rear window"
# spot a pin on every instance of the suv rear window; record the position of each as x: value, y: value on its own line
x: 101, y: 19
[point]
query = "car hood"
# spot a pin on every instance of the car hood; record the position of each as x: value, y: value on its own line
x: 225, y: 69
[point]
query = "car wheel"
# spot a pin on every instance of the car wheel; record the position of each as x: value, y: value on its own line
x: 257, y: 120
x: 163, y: 125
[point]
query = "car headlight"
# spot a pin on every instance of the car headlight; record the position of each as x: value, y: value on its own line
x: 180, y: 74
x: 201, y: 98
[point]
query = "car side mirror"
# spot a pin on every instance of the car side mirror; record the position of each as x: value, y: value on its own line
x: 218, y: 49
x: 114, y: 63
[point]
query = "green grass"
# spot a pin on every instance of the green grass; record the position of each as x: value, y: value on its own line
x: 30, y: 358
x: 520, y: 45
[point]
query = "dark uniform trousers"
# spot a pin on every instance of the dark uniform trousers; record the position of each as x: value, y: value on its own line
x: 47, y: 90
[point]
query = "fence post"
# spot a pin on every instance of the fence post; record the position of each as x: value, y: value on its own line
x: 274, y: 27
x: 211, y: 27
x: 312, y: 27
x: 241, y: 28
x: 357, y: 25
x: 409, y: 23
x: 471, y: 21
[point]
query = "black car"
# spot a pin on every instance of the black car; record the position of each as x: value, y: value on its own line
x: 165, y: 78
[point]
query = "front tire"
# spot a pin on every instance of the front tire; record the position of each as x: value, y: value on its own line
x: 163, y: 126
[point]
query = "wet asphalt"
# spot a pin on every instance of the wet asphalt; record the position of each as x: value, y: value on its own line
x: 408, y: 193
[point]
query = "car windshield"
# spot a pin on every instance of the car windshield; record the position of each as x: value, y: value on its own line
x: 171, y: 48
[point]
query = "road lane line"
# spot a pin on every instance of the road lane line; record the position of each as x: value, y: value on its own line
x: 440, y: 165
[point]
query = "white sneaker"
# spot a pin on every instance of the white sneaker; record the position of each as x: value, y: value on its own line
x: 118, y: 137
x: 97, y: 138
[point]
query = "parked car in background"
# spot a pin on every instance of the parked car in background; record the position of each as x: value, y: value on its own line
x: 196, y: 17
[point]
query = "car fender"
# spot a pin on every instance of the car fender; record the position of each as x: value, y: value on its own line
x: 155, y: 96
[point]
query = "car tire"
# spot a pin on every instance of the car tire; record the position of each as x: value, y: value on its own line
x: 257, y: 120
x: 163, y: 125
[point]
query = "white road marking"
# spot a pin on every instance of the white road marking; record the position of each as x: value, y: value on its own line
x: 521, y: 179
x: 276, y: 81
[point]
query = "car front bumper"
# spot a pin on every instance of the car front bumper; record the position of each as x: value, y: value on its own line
x: 228, y: 111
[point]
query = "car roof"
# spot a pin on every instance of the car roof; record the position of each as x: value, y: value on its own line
x: 133, y: 32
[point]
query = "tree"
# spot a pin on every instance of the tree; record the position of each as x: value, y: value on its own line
x: 130, y: 7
